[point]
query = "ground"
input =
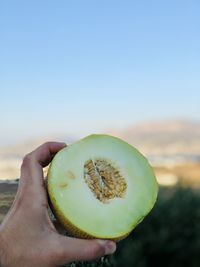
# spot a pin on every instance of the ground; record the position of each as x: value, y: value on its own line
x: 7, y: 194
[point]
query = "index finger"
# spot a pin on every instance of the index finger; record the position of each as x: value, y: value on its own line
x: 31, y: 169
x: 44, y: 153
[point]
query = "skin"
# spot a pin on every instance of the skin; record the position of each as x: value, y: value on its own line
x: 28, y: 238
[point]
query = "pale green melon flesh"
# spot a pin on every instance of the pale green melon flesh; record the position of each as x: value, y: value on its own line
x: 77, y: 203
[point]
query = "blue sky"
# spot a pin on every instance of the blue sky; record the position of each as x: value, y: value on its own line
x: 78, y: 67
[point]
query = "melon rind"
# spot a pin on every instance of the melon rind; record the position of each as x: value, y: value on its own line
x: 75, y: 205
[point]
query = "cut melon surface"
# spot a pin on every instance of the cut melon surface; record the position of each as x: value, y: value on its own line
x: 101, y: 187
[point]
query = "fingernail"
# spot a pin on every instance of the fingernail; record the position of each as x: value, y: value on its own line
x: 109, y: 246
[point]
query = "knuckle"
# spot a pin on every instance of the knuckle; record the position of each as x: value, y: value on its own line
x: 47, y: 144
x: 26, y: 171
x: 27, y: 159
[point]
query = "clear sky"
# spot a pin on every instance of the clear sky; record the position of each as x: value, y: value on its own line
x: 78, y: 67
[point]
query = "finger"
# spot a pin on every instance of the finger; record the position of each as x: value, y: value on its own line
x: 44, y: 153
x: 31, y: 169
x: 73, y: 249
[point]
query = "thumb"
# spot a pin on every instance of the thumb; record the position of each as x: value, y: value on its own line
x: 74, y: 249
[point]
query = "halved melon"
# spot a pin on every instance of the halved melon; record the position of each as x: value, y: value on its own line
x: 101, y: 187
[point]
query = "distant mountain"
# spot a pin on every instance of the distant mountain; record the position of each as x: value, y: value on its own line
x: 167, y: 137
x: 163, y: 142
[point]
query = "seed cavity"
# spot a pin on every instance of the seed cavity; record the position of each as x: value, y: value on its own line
x: 104, y: 180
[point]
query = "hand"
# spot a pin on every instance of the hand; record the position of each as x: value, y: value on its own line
x: 28, y: 238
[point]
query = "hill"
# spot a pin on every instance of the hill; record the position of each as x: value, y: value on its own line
x: 167, y: 137
x: 165, y: 143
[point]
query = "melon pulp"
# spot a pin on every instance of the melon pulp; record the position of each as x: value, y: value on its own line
x: 101, y: 187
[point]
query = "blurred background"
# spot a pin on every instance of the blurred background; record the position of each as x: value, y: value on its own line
x: 125, y: 68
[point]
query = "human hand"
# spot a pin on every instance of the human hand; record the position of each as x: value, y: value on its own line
x: 28, y: 238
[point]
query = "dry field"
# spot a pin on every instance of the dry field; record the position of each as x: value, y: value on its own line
x: 187, y: 175
x: 7, y: 194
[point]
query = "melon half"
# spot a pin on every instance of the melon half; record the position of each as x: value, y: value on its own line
x: 101, y: 187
